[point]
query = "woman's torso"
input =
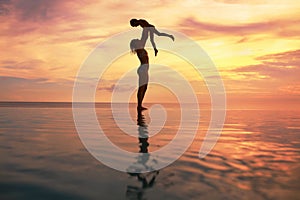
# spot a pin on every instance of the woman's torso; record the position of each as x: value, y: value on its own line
x: 143, y: 56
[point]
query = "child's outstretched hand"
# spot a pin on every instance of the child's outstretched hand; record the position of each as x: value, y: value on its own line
x: 155, y: 52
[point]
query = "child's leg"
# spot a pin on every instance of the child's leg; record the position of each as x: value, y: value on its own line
x: 162, y: 34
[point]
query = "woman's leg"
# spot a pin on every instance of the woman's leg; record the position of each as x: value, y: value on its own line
x: 143, y: 78
x: 144, y: 91
x: 143, y: 83
x: 140, y: 95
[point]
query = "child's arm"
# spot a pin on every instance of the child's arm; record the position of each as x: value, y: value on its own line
x: 152, y: 41
x: 144, y: 37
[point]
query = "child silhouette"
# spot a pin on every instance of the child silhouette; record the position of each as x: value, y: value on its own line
x: 149, y: 29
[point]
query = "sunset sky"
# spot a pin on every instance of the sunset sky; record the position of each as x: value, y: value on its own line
x: 254, y: 44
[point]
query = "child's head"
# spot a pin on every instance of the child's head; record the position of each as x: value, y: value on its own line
x: 134, y: 22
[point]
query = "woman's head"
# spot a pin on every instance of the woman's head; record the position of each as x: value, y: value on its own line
x: 134, y: 45
x: 134, y: 22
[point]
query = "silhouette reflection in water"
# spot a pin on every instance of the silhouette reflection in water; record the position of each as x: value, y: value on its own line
x: 145, y: 180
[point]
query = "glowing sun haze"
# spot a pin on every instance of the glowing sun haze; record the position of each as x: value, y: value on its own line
x: 254, y: 44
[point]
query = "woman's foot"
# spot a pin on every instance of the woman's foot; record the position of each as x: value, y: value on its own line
x: 141, y: 108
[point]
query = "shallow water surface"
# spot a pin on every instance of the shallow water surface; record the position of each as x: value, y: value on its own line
x: 42, y: 157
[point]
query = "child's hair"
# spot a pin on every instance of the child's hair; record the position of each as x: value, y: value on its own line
x: 134, y: 22
x: 134, y: 45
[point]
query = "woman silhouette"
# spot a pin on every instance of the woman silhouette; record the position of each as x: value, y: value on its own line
x: 137, y: 46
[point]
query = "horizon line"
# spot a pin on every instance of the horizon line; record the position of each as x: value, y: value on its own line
x: 76, y: 102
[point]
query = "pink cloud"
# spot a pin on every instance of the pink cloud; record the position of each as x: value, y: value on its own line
x: 284, y: 28
x: 36, y: 89
x: 285, y: 65
x: 277, y: 74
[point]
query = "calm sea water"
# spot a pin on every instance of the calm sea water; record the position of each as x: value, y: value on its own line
x: 257, y: 157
